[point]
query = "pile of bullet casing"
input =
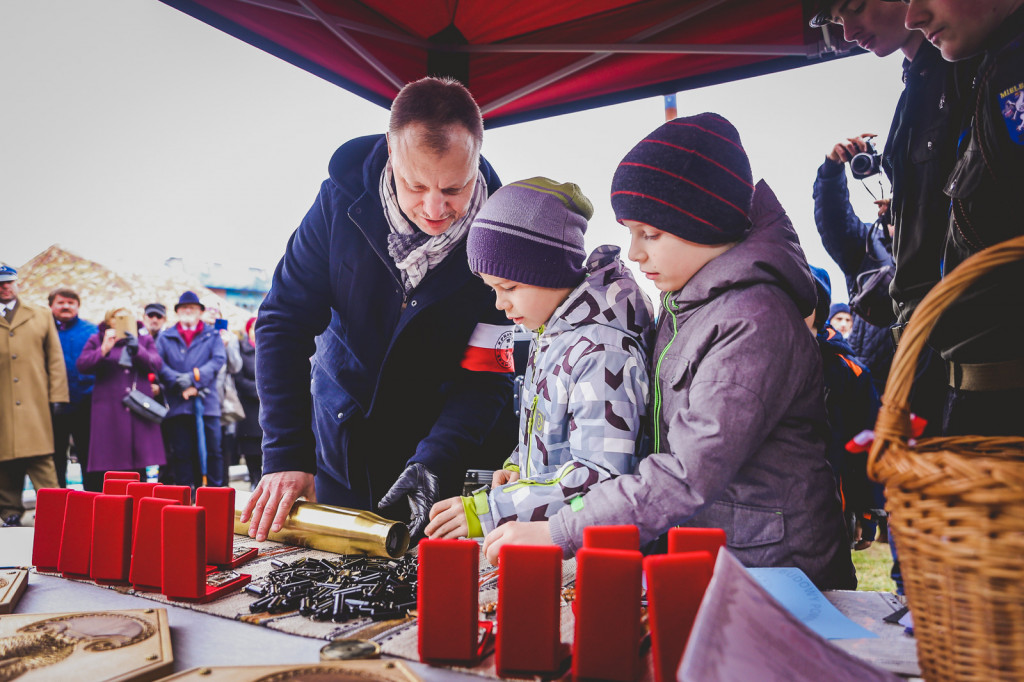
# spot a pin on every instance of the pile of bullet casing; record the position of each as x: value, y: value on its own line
x: 339, y: 589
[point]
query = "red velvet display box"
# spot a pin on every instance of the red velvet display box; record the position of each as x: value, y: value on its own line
x: 116, y: 486
x: 121, y: 475
x: 76, y: 535
x: 529, y: 596
x: 181, y: 493
x: 607, y: 641
x: 675, y: 587
x: 219, y: 504
x: 696, y: 540
x: 137, y: 491
x: 612, y: 537
x: 183, y: 558
x: 49, y: 527
x: 148, y: 544
x: 447, y: 600
x: 111, y: 539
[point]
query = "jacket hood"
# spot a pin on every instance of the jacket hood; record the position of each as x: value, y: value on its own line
x: 771, y: 254
x: 608, y: 296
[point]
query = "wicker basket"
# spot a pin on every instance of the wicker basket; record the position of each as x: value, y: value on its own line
x: 957, y: 513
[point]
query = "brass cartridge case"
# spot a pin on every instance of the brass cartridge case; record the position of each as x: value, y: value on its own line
x: 335, y: 529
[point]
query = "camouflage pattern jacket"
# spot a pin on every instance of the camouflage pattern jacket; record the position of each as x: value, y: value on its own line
x: 584, y: 399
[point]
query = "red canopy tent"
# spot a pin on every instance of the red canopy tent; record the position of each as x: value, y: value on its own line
x: 527, y: 59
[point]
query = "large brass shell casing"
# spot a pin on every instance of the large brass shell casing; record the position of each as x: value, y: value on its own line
x: 335, y: 529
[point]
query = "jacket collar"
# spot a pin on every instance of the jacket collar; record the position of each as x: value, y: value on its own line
x: 1007, y: 31
x: 22, y: 314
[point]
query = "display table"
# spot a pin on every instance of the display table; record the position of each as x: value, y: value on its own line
x: 200, y: 639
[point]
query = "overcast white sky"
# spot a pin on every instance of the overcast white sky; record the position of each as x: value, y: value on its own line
x: 130, y: 132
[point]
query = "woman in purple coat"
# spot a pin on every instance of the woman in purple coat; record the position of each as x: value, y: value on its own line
x: 122, y: 441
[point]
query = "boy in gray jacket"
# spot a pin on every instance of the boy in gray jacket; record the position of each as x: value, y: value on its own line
x: 738, y: 412
x: 586, y: 386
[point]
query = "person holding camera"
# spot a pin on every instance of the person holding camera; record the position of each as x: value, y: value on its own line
x: 121, y: 355
x: 861, y: 250
x: 918, y: 156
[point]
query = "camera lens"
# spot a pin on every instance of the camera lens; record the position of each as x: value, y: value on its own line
x: 861, y: 164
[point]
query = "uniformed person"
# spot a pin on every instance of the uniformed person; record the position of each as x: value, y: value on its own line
x: 980, y: 335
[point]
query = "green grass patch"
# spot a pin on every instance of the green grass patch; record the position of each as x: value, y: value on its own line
x: 873, y: 565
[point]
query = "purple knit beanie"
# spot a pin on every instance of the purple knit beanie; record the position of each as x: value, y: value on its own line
x: 691, y: 178
x: 531, y: 232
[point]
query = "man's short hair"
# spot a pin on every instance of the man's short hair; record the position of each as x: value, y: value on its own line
x: 64, y: 292
x: 436, y: 104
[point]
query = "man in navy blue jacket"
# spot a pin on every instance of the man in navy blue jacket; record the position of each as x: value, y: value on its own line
x: 193, y: 353
x: 411, y: 362
x: 858, y: 247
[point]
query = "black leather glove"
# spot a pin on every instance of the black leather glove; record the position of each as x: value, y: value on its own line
x: 422, y: 488
x: 182, y: 381
x: 131, y: 347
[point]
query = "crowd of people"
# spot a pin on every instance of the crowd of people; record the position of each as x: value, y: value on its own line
x: 80, y: 390
x: 386, y: 368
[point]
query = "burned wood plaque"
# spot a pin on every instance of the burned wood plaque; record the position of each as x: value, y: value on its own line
x: 86, y: 646
x: 350, y: 671
x: 13, y: 582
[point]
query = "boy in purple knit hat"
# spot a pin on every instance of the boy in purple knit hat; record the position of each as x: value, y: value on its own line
x: 737, y: 412
x: 586, y: 387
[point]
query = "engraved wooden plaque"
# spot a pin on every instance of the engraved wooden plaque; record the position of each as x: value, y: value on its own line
x: 13, y: 582
x: 86, y: 646
x: 349, y: 671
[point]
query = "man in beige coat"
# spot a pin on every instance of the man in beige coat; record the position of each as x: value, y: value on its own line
x: 32, y: 376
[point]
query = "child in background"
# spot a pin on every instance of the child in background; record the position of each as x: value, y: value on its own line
x: 851, y: 406
x: 585, y: 391
x: 737, y: 413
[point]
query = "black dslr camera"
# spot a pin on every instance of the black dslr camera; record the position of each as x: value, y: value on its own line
x: 866, y: 164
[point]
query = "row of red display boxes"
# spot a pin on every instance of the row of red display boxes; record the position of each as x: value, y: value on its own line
x: 607, y: 602
x: 146, y: 535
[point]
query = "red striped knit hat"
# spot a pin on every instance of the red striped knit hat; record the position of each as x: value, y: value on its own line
x: 691, y: 178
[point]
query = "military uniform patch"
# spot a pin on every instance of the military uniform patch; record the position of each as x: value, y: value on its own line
x: 1011, y: 103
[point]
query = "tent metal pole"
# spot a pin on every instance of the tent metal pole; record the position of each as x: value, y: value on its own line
x: 353, y: 44
x: 595, y: 58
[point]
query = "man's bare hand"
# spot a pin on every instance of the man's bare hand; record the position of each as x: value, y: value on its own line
x: 270, y: 503
x: 844, y: 151
x: 190, y: 392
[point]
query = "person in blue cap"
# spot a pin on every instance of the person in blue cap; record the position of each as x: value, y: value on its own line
x: 32, y: 378
x: 193, y: 353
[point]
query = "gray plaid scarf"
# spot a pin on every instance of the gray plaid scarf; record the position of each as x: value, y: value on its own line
x: 414, y: 251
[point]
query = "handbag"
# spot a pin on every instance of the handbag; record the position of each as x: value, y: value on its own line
x: 231, y: 410
x: 871, y: 300
x: 144, y: 406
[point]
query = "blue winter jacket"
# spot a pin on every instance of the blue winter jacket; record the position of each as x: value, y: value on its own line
x: 206, y: 352
x: 851, y: 405
x: 73, y: 337
x: 847, y: 240
x: 377, y: 352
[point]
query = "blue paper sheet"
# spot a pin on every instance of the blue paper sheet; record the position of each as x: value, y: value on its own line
x: 795, y: 591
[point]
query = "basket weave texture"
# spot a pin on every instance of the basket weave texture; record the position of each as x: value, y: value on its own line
x: 957, y: 514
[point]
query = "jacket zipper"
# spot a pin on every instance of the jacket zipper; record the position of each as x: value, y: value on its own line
x: 656, y: 445
x: 533, y: 405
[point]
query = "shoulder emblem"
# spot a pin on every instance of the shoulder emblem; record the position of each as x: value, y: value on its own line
x: 1011, y: 103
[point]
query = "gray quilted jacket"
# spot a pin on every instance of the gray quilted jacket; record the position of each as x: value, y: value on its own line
x: 739, y: 439
x: 584, y: 399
